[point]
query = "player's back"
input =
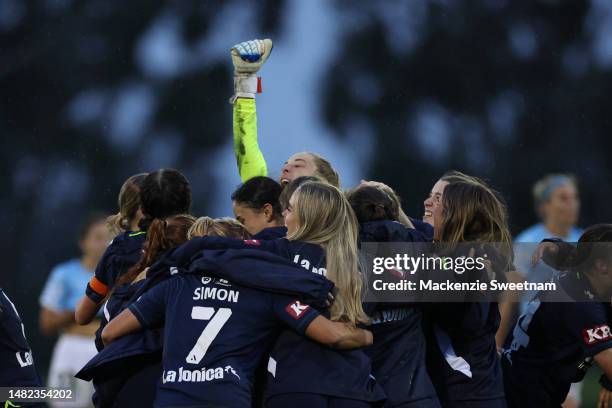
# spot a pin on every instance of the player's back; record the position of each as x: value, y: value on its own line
x: 551, y: 342
x: 216, y: 334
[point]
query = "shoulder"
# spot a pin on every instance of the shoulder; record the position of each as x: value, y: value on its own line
x: 535, y: 233
x: 66, y: 268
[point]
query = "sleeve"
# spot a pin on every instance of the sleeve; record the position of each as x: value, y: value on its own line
x: 53, y: 294
x: 590, y: 325
x: 265, y: 271
x: 192, y: 249
x: 150, y: 308
x: 104, y: 276
x: 293, y: 313
x: 249, y: 157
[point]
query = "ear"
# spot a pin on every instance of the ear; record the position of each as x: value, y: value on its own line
x: 268, y: 212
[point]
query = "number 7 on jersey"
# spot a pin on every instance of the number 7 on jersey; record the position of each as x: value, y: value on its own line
x: 212, y: 329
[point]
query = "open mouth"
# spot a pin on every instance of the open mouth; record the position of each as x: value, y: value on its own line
x: 428, y: 213
x: 284, y: 181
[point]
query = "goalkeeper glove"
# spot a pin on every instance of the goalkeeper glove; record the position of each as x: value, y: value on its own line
x: 248, y: 57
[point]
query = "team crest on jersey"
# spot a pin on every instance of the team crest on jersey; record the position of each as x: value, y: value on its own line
x: 597, y: 334
x: 252, y: 242
x: 296, y: 309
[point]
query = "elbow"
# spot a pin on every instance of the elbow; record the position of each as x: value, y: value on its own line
x: 81, y: 318
x: 106, y: 336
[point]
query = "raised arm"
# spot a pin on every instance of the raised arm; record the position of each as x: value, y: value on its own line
x: 248, y: 57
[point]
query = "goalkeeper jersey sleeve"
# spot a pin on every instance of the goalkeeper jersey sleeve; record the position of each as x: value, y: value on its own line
x: 249, y: 157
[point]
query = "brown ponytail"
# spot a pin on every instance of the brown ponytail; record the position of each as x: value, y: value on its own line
x: 162, y: 235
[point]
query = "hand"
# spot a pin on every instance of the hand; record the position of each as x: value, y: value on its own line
x: 249, y: 56
x: 605, y: 398
x: 550, y: 248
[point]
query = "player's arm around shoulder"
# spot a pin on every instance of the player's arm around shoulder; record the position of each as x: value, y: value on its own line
x: 338, y: 335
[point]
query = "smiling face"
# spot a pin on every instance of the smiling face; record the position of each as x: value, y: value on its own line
x: 298, y: 165
x: 433, y: 201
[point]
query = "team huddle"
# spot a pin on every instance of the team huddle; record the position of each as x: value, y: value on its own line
x: 267, y: 308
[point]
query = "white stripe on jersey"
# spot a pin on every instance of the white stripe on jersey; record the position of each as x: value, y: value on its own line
x: 456, y: 362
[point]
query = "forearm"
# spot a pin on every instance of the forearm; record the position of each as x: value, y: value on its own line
x: 353, y: 337
x: 121, y: 325
x: 86, y: 310
x: 249, y: 157
x: 52, y: 322
x: 508, y: 307
x: 338, y: 335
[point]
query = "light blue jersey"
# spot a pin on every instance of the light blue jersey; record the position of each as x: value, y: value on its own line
x: 538, y: 232
x: 522, y: 256
x: 64, y: 287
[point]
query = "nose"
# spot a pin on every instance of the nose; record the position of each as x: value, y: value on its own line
x: 428, y: 202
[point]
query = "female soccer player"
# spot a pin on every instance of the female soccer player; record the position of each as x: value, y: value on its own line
x: 256, y: 205
x: 125, y: 246
x: 554, y: 344
x: 322, y: 235
x: 226, y: 330
x: 16, y: 360
x: 118, y: 389
x: 162, y: 193
x: 248, y: 57
x: 58, y: 302
x: 398, y: 354
x: 463, y: 360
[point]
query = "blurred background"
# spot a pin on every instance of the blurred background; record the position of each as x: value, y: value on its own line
x: 93, y: 91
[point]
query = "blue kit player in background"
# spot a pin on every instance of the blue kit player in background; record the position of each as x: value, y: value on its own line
x: 64, y: 288
x: 554, y: 343
x: 16, y: 359
x: 216, y: 334
x: 557, y: 204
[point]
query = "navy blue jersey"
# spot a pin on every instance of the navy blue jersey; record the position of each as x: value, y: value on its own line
x: 424, y: 228
x: 299, y: 365
x: 398, y: 352
x: 552, y: 344
x: 215, y: 335
x: 462, y: 354
x: 16, y: 360
x: 271, y: 233
x: 123, y: 253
